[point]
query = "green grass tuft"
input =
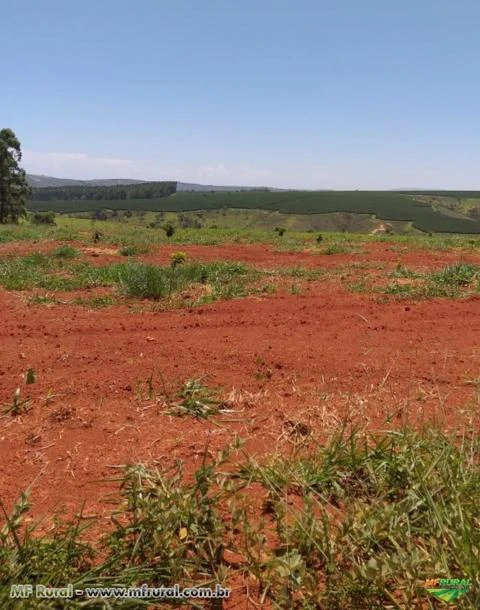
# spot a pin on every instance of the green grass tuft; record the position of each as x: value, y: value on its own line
x: 65, y: 252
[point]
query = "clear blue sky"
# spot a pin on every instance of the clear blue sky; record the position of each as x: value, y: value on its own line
x: 305, y: 93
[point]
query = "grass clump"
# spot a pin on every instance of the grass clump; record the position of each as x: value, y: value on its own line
x: 197, y: 400
x: 302, y: 273
x: 65, y: 252
x: 53, y: 273
x: 172, y: 526
x: 453, y: 281
x: 17, y: 406
x: 462, y: 274
x: 144, y: 281
x: 404, y: 272
x: 25, y: 272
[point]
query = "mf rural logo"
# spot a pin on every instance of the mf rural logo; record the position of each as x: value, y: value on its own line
x: 447, y: 589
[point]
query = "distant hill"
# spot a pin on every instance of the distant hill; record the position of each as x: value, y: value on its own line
x: 187, y: 186
x: 39, y: 181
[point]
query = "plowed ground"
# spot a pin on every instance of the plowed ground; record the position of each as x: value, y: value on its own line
x: 316, y: 357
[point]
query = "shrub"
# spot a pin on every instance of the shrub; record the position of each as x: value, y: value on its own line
x: 169, y: 229
x: 177, y: 258
x: 43, y: 218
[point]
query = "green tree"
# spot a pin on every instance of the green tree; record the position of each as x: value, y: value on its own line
x: 14, y: 188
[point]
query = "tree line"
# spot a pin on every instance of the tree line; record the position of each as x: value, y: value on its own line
x: 145, y: 190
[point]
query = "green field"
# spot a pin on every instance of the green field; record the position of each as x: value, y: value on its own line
x: 423, y: 214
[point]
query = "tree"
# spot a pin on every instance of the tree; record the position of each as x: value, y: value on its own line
x: 14, y: 188
x: 169, y: 229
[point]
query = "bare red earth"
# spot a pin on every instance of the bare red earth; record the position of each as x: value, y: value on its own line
x: 264, y: 255
x: 313, y: 357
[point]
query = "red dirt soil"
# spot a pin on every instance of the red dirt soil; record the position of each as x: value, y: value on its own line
x: 263, y: 255
x: 312, y: 357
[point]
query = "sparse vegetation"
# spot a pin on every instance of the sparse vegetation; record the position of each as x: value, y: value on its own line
x: 133, y: 279
x: 359, y: 522
x: 227, y: 280
x: 197, y: 400
x: 450, y: 282
x: 17, y: 406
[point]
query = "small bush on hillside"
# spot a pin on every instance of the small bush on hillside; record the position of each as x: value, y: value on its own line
x: 43, y: 218
x: 177, y: 258
x: 169, y: 229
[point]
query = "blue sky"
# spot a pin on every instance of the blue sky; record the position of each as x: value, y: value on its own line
x: 305, y: 93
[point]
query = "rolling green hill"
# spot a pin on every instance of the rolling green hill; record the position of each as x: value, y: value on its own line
x: 385, y: 205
